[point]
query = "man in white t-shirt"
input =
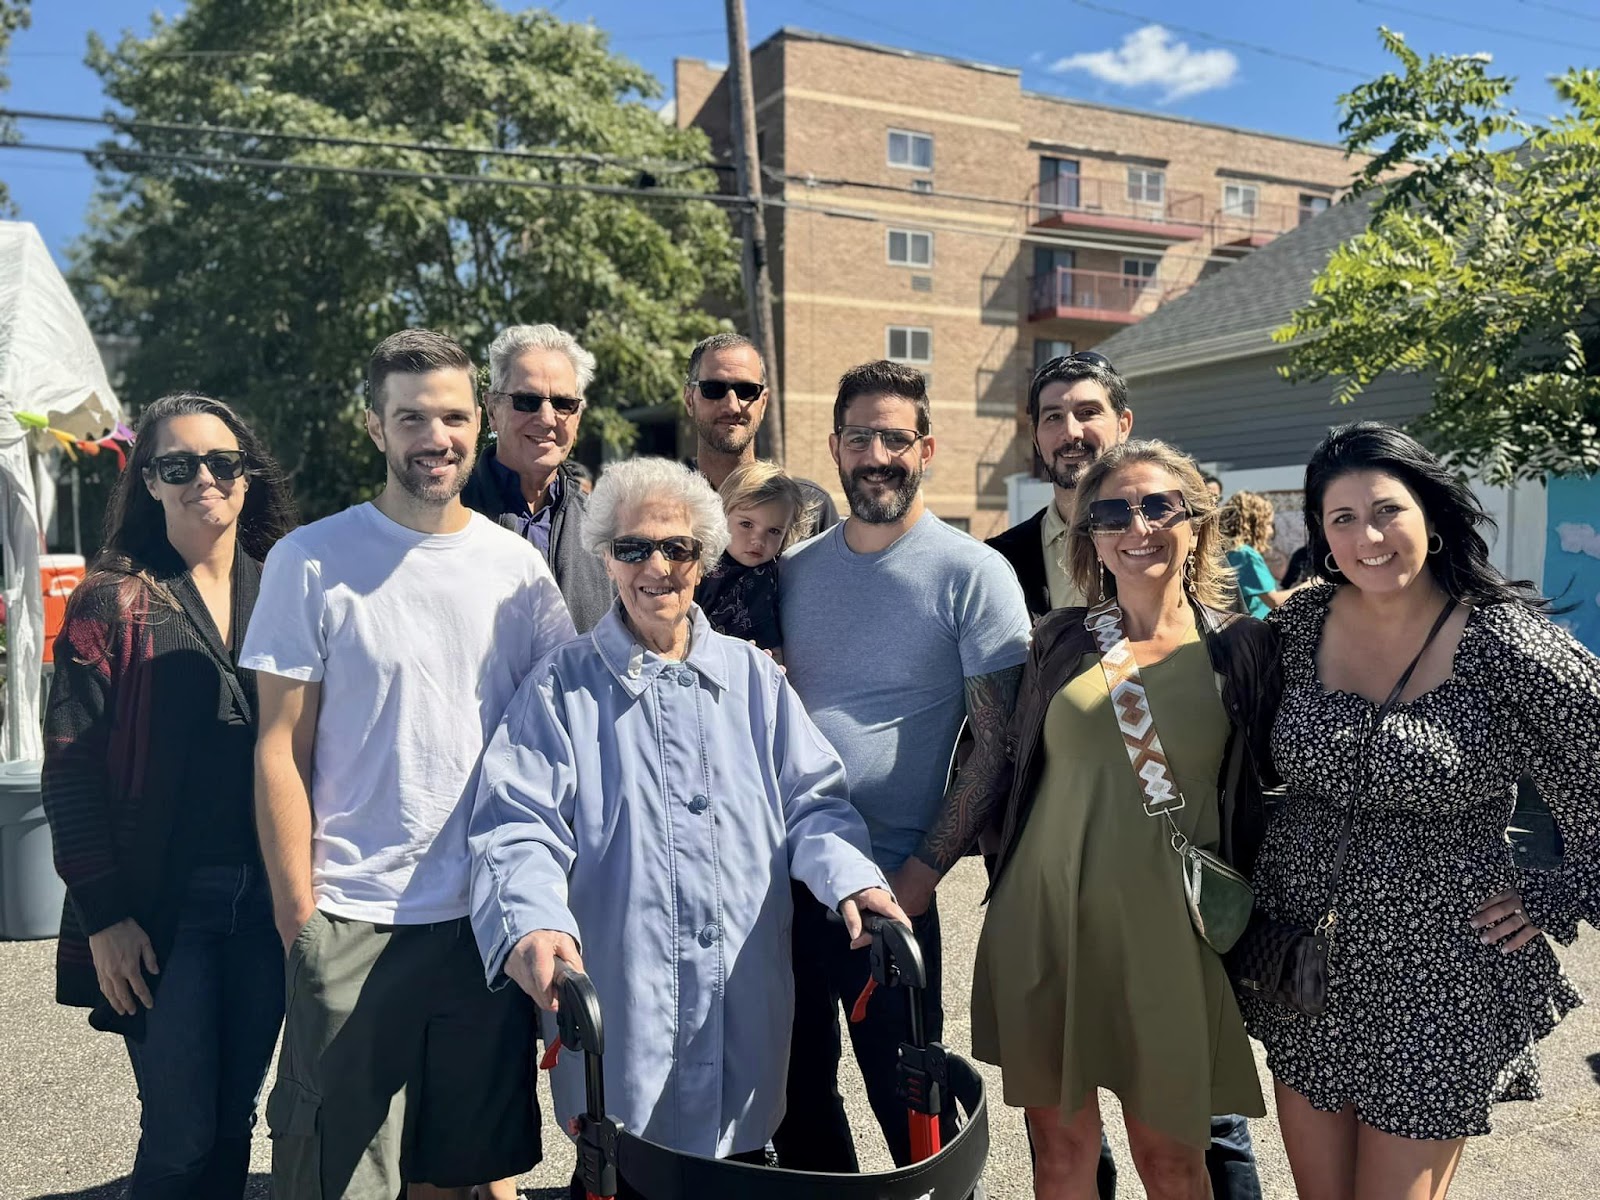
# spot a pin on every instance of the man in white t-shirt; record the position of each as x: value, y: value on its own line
x: 388, y: 640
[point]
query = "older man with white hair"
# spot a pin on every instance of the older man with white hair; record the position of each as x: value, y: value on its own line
x: 538, y: 378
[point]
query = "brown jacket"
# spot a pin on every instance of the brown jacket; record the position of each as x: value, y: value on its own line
x: 1244, y: 654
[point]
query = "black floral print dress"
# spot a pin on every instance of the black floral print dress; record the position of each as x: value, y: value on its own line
x: 1426, y: 1027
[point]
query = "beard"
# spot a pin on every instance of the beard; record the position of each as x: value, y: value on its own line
x: 879, y: 508
x: 425, y: 488
x: 726, y: 439
x: 1066, y: 474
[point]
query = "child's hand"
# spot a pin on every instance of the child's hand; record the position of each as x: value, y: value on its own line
x: 776, y: 655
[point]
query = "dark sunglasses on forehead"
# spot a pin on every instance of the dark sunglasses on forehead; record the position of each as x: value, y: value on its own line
x: 181, y: 467
x: 1082, y: 356
x: 717, y: 389
x: 532, y: 402
x: 639, y: 549
x: 1160, y: 510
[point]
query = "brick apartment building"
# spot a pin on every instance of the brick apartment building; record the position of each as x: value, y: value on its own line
x: 932, y: 211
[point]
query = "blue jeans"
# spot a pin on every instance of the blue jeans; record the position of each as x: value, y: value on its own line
x: 1230, y: 1162
x: 208, y: 1040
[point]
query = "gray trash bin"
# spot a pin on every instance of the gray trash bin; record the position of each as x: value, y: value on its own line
x: 30, y: 890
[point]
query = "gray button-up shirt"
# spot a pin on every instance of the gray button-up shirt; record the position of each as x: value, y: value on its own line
x: 656, y: 810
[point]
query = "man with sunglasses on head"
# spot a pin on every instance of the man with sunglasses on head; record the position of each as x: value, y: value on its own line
x: 388, y: 641
x: 525, y: 479
x: 896, y: 628
x: 1078, y: 407
x: 725, y: 395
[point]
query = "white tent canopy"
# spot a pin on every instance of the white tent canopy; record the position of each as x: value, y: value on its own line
x: 49, y: 367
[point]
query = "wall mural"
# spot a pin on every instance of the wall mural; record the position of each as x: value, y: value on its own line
x: 1572, y: 555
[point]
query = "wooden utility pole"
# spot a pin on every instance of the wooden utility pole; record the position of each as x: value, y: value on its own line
x: 757, y: 282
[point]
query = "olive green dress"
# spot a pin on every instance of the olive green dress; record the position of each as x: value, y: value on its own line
x: 1089, y: 973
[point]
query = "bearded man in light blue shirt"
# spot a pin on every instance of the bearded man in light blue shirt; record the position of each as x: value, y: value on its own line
x: 648, y: 796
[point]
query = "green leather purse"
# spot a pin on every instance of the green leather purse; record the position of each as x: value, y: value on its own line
x: 1219, y: 898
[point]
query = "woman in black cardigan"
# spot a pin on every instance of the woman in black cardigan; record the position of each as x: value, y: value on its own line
x: 167, y: 932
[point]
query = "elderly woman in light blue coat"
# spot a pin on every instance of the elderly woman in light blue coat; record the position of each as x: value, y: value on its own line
x: 643, y: 805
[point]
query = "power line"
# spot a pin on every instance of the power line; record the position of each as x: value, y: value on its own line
x: 321, y: 139
x: 1497, y: 30
x: 278, y: 164
x: 1253, y: 47
x: 1566, y: 12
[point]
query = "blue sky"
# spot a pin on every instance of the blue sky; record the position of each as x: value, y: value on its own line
x: 1102, y: 50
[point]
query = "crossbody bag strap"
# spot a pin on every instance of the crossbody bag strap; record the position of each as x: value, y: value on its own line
x: 1131, y: 705
x: 1342, y: 850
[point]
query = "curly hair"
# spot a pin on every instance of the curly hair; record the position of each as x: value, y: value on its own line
x: 626, y: 486
x: 1212, y: 584
x: 1246, y: 520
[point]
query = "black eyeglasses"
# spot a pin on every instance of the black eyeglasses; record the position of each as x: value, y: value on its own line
x: 182, y: 467
x: 639, y: 549
x: 1082, y: 356
x: 1160, y: 510
x: 717, y: 389
x: 531, y: 402
x: 858, y: 439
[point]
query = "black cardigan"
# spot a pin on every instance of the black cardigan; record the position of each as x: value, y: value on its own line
x: 133, y: 692
x: 1023, y: 547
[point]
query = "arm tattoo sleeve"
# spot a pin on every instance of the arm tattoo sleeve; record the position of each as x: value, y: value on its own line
x: 976, y: 789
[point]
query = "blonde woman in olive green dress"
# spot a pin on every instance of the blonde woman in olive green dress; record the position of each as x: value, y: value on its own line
x: 1089, y: 973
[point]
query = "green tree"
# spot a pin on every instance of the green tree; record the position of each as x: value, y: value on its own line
x: 1480, y: 266
x: 269, y: 287
x: 13, y: 16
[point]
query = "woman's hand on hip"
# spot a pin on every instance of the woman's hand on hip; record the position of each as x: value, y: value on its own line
x: 872, y: 899
x: 122, y: 953
x: 531, y: 964
x: 1501, y: 922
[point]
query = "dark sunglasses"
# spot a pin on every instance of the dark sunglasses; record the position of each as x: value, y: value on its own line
x: 532, y: 402
x: 183, y: 467
x: 639, y: 549
x: 1160, y: 510
x: 717, y: 389
x: 1082, y: 356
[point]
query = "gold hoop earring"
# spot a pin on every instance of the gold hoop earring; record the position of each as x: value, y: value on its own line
x: 1431, y: 549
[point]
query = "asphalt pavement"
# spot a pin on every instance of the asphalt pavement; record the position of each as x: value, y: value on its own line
x: 69, y: 1117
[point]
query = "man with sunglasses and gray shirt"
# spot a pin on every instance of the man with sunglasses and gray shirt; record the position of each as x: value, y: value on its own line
x: 538, y: 376
x: 725, y: 395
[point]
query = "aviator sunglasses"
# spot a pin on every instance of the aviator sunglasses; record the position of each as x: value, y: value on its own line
x: 717, y: 389
x: 182, y: 467
x: 532, y: 402
x: 1160, y: 510
x: 639, y: 549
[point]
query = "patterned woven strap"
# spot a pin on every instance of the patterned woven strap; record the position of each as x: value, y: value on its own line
x: 1132, y: 709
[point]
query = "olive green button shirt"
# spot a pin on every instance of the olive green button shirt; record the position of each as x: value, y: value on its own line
x: 1053, y: 533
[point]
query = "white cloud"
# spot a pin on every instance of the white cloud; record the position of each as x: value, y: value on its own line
x: 1150, y: 57
x: 1578, y: 539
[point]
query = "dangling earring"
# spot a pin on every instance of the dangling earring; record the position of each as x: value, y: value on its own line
x: 1105, y: 582
x: 1328, y: 565
x: 1432, y: 549
x: 1188, y: 573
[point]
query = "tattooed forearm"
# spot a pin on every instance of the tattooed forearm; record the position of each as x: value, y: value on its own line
x: 978, y: 784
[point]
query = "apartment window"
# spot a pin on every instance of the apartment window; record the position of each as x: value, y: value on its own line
x: 1310, y: 206
x: 913, y: 151
x: 909, y: 344
x: 1044, y: 349
x: 1058, y: 183
x: 1140, y: 268
x: 910, y: 248
x: 1241, y: 199
x: 1146, y: 186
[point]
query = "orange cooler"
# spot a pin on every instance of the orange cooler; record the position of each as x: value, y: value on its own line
x: 59, y: 574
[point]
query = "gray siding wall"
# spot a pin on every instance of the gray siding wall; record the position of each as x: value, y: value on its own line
x: 1242, y: 414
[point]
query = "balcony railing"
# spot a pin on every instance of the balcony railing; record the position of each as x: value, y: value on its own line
x: 1069, y: 199
x: 1260, y: 220
x: 1094, y: 296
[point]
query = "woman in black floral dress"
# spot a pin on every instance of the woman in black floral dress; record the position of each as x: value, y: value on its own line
x: 1440, y: 976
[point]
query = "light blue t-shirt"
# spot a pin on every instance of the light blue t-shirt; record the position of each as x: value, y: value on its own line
x: 879, y: 645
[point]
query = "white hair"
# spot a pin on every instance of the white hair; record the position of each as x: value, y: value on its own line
x: 625, y: 487
x: 512, y: 342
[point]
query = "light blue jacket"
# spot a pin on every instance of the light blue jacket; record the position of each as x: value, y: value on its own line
x: 655, y: 810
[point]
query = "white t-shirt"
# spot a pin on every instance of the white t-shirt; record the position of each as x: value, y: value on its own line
x: 419, y: 641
